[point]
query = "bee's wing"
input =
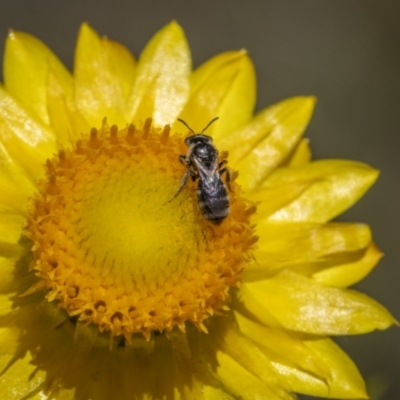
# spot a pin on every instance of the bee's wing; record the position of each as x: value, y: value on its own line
x: 209, y: 177
x: 203, y: 171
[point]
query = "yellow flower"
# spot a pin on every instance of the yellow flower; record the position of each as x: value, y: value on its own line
x: 114, y: 288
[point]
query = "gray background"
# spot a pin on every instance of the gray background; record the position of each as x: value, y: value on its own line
x: 346, y: 53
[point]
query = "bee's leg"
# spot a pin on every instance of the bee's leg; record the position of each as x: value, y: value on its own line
x: 183, y: 182
x: 185, y: 160
x: 193, y: 175
x: 222, y: 163
x: 227, y: 173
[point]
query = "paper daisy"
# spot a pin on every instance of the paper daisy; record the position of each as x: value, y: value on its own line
x: 112, y: 288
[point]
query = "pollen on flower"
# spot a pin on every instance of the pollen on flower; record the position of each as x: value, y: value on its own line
x: 111, y: 249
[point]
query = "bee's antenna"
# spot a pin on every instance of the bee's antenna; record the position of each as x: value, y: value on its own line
x: 187, y: 126
x: 213, y: 120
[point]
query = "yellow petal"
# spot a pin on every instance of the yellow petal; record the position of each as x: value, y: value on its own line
x: 84, y: 338
x: 249, y: 356
x: 8, y: 339
x: 343, y: 381
x: 10, y: 255
x: 336, y: 185
x: 266, y: 142
x: 62, y: 394
x: 112, y: 371
x: 301, y: 154
x: 100, y: 88
x: 144, y: 368
x: 52, y: 346
x: 10, y: 226
x: 6, y: 306
x: 310, y: 241
x: 244, y: 384
x: 350, y: 273
x: 213, y: 393
x: 283, y: 347
x: 27, y: 141
x: 15, y: 188
x: 299, y: 304
x: 10, y: 250
x: 26, y: 64
x: 161, y: 85
x: 229, y: 343
x: 142, y: 373
x: 14, y: 384
x: 238, y: 364
x: 122, y: 63
x: 37, y: 316
x: 182, y: 363
x: 222, y: 87
x: 14, y: 198
x: 309, y: 244
x: 271, y: 199
x: 66, y: 120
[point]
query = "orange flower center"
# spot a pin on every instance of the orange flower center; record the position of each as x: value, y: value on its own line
x: 111, y: 248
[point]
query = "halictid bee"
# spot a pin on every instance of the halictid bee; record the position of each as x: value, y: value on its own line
x: 203, y: 164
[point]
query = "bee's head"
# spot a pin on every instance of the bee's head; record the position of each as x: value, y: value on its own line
x: 197, y: 137
x: 192, y: 140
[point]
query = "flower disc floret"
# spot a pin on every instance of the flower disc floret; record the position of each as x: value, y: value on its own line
x: 111, y: 248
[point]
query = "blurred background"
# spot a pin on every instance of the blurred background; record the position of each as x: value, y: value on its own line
x: 347, y: 54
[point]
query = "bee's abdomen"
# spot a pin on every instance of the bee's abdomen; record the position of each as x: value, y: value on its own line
x: 214, y: 205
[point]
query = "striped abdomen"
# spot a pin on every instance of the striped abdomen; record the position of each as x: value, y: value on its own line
x: 213, y: 200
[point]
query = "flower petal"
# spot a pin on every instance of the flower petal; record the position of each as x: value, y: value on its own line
x: 14, y: 384
x: 283, y: 347
x: 14, y: 198
x: 27, y: 141
x: 10, y: 255
x: 312, y: 246
x: 26, y: 65
x: 213, y: 393
x: 15, y: 188
x: 63, y: 394
x: 241, y: 367
x: 66, y: 120
x: 265, y: 143
x: 343, y: 381
x: 100, y: 88
x: 244, y: 384
x: 342, y: 256
x: 249, y: 356
x: 161, y: 86
x: 301, y: 154
x: 121, y: 370
x: 122, y: 63
x: 38, y: 320
x: 6, y: 306
x: 225, y: 87
x: 344, y: 275
x: 182, y: 364
x: 336, y: 185
x: 144, y: 368
x: 299, y: 304
x: 10, y: 226
x: 271, y: 199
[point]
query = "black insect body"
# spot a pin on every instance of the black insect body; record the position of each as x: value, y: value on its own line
x: 203, y: 164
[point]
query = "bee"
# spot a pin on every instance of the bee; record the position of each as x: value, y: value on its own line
x: 202, y: 163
